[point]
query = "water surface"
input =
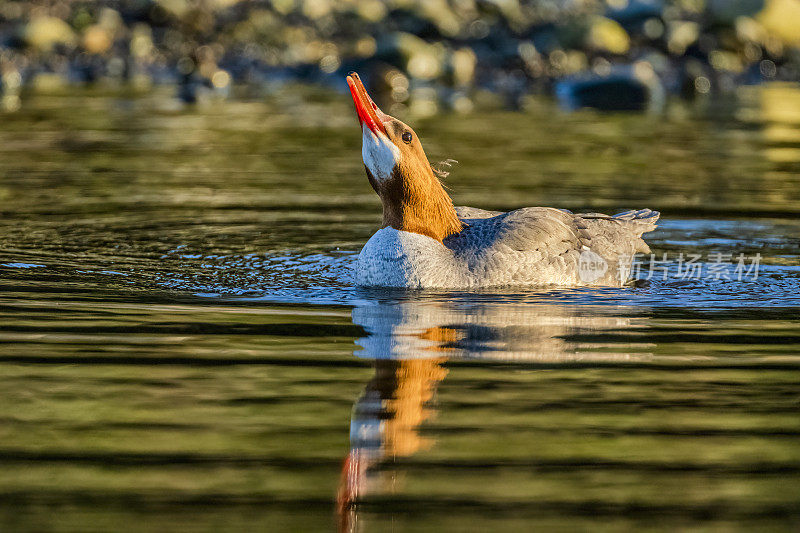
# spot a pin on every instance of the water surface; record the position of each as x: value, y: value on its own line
x: 182, y: 347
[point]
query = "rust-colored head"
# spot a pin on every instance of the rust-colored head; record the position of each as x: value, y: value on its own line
x: 413, y: 198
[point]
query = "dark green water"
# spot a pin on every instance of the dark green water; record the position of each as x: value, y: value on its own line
x: 181, y: 348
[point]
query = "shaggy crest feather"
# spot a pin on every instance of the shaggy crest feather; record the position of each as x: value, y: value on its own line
x: 441, y: 172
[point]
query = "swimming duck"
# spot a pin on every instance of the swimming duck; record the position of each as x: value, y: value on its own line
x: 427, y: 242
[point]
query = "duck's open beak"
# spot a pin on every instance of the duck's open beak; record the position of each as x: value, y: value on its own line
x: 368, y: 113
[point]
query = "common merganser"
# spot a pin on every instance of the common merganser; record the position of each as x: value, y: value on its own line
x: 426, y: 242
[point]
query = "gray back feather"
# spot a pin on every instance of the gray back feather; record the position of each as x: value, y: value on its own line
x: 549, y: 234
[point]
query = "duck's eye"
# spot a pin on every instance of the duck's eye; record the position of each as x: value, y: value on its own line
x: 407, y: 137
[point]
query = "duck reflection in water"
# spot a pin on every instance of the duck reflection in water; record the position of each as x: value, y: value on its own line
x: 409, y: 343
x: 384, y: 426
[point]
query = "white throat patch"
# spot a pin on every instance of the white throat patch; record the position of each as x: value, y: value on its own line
x: 379, y: 153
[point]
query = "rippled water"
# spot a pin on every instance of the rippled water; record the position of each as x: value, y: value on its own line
x: 182, y: 348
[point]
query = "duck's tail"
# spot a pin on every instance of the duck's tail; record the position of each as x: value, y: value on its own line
x: 645, y: 217
x: 625, y: 231
x: 639, y: 221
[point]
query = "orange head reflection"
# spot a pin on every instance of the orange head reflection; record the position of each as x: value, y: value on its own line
x: 385, y: 424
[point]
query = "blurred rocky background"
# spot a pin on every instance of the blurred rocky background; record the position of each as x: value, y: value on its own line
x: 418, y: 56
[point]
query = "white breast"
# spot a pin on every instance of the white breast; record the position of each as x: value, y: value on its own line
x: 393, y: 258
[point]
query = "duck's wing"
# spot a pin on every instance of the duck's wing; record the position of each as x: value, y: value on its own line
x: 543, y: 229
x: 556, y: 230
x: 548, y: 237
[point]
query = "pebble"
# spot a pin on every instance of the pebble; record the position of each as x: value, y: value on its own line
x: 418, y: 55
